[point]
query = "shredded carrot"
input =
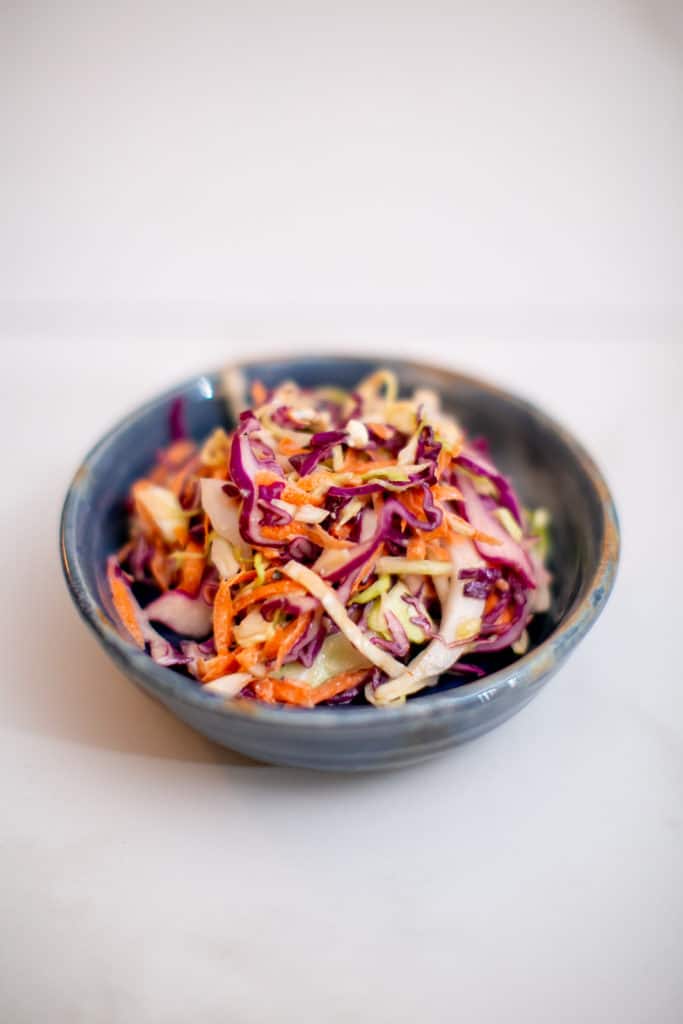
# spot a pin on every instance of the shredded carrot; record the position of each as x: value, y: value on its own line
x: 125, y: 608
x: 338, y: 684
x: 222, y: 618
x: 192, y: 569
x: 159, y: 567
x: 436, y: 553
x: 320, y: 479
x: 286, y: 446
x: 416, y: 547
x: 264, y: 688
x: 289, y: 691
x: 505, y: 618
x: 443, y: 462
x: 271, y: 554
x: 291, y: 493
x: 485, y: 538
x: 286, y: 638
x: 297, y: 497
x: 248, y: 657
x: 357, y: 462
x: 246, y: 576
x: 268, y: 590
x: 214, y: 668
x: 382, y: 431
x: 266, y: 476
x: 446, y: 492
x: 367, y: 568
x: 491, y: 602
x: 259, y: 394
x: 312, y: 532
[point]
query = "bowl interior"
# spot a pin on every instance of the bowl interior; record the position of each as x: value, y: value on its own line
x: 547, y: 468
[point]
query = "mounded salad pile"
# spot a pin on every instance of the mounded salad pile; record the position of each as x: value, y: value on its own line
x: 335, y: 547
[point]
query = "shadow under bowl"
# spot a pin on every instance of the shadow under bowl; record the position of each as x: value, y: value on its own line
x: 549, y: 468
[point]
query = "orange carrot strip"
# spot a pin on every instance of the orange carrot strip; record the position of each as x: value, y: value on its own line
x: 266, y: 476
x: 436, y: 553
x: 192, y: 569
x: 159, y: 567
x: 246, y: 576
x: 285, y: 638
x: 337, y: 684
x: 356, y: 462
x: 446, y: 492
x: 443, y: 462
x: 267, y: 590
x: 125, y: 608
x: 290, y: 691
x: 247, y: 657
x: 258, y: 393
x: 263, y: 689
x: 382, y: 431
x: 222, y: 618
x: 416, y: 548
x: 367, y: 568
x: 291, y: 493
x: 296, y: 497
x: 286, y: 446
x: 318, y: 479
x: 214, y: 668
x: 312, y: 532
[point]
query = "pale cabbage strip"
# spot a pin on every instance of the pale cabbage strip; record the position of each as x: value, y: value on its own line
x: 337, y: 612
x: 461, y: 621
x: 230, y: 685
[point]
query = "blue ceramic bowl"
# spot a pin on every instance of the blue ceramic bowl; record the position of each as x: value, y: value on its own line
x: 548, y: 467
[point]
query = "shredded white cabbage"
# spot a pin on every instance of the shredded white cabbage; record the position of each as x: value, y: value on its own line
x: 439, y: 655
x: 419, y: 566
x: 230, y: 685
x: 162, y: 506
x: 337, y: 612
x: 224, y: 513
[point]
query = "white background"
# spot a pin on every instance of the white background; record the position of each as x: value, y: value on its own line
x: 496, y: 188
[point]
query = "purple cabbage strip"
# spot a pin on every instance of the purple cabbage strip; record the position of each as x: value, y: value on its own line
x: 466, y: 668
x: 507, y: 551
x: 510, y: 635
x: 399, y: 645
x: 302, y: 550
x: 289, y: 605
x: 386, y: 531
x: 480, y: 465
x: 243, y: 467
x: 392, y: 444
x: 479, y: 582
x: 345, y: 697
x: 377, y: 678
x: 321, y: 445
x: 379, y: 484
x: 419, y: 619
x: 428, y: 450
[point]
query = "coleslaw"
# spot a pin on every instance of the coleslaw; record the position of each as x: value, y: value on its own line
x: 333, y: 548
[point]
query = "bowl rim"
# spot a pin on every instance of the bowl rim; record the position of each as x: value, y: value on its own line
x: 526, y: 672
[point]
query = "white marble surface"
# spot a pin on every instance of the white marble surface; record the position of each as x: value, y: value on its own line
x: 500, y: 191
